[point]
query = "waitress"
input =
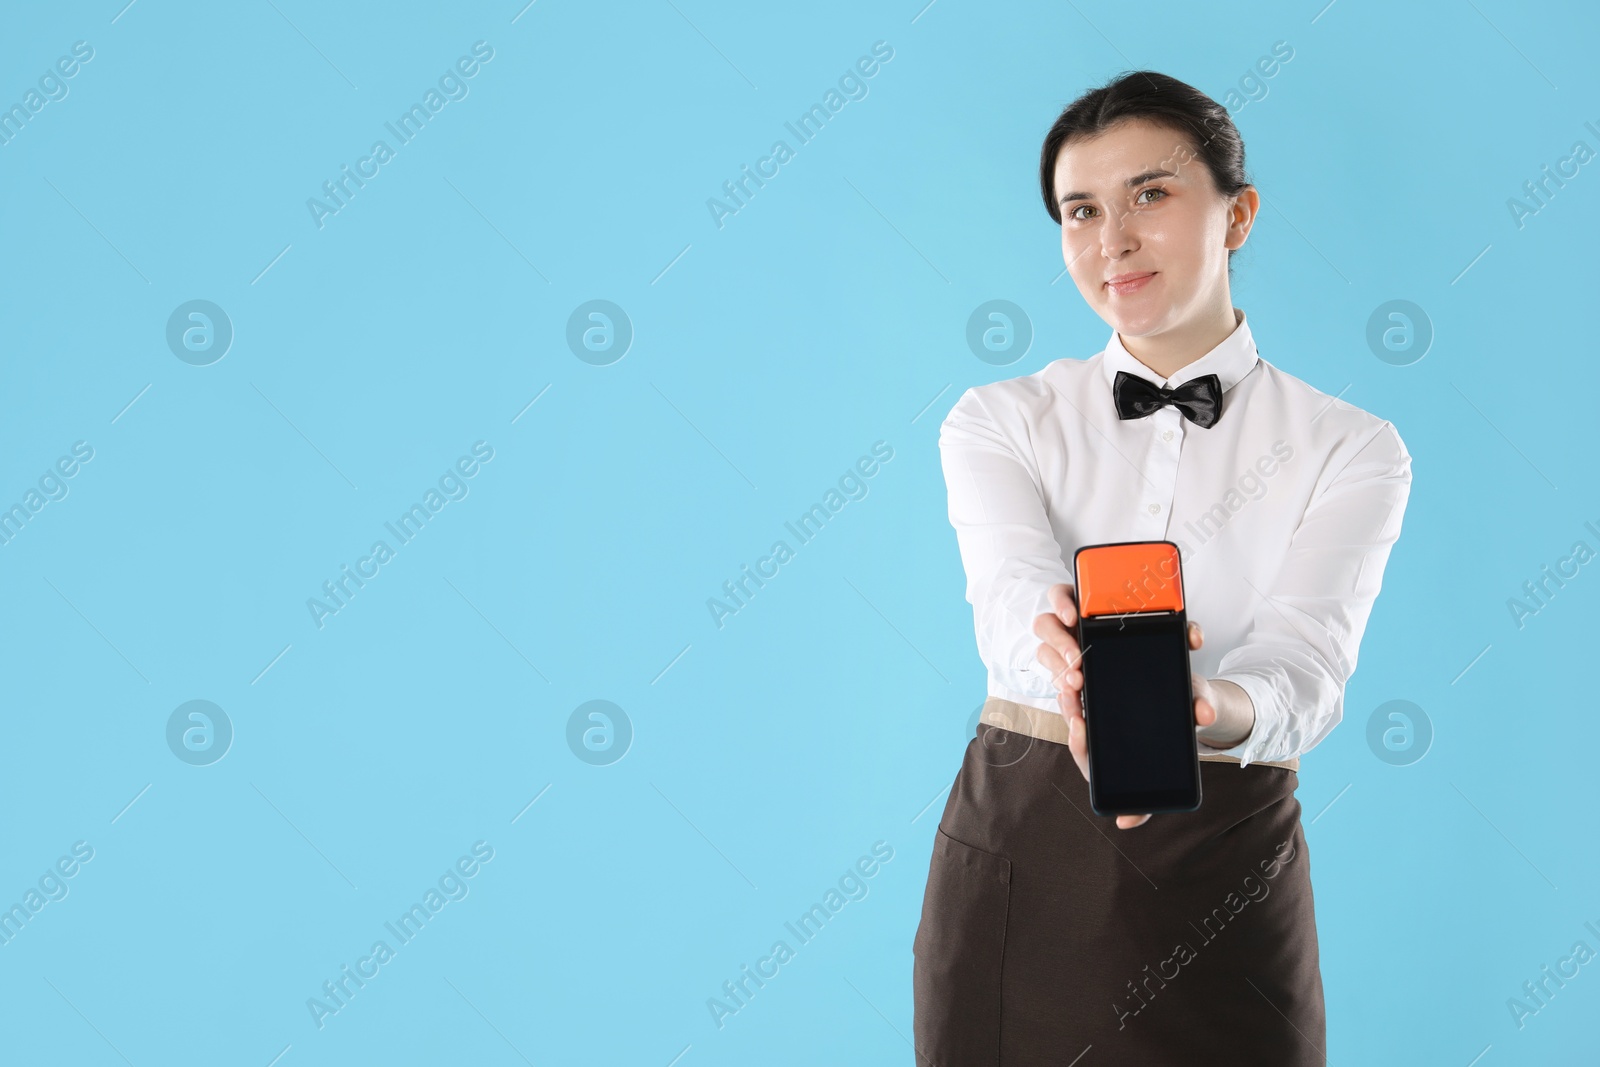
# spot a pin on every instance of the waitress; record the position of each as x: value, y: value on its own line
x: 1048, y: 931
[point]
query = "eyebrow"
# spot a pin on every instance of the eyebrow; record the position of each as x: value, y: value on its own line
x: 1137, y: 179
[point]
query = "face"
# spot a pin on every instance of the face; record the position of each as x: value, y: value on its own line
x: 1137, y: 201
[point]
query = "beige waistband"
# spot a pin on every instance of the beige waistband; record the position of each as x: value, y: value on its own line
x: 1050, y: 726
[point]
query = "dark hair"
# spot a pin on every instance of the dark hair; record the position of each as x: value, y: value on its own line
x: 1158, y: 98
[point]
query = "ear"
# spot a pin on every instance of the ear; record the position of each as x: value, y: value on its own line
x: 1242, y: 211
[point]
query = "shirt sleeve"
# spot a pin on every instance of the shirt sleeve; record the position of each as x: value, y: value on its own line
x: 1008, y: 549
x: 1307, y: 624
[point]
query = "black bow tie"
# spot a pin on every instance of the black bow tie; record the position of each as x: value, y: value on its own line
x: 1200, y: 400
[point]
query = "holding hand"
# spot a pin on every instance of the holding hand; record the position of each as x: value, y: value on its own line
x: 1061, y: 656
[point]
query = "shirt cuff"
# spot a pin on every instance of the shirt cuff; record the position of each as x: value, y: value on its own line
x: 1266, y: 725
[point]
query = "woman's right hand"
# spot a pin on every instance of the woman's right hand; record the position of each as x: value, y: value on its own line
x: 1060, y: 655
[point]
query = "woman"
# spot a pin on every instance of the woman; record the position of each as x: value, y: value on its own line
x: 1047, y: 931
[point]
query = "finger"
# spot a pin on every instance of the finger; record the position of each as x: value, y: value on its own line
x: 1077, y: 740
x: 1064, y: 602
x: 1128, y: 822
x: 1059, y: 651
x: 1196, y: 635
x: 1063, y: 663
x: 1204, y: 713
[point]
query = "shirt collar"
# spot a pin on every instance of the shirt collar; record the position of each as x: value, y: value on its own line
x: 1230, y: 361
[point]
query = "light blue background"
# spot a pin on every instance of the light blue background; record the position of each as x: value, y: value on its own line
x: 829, y: 314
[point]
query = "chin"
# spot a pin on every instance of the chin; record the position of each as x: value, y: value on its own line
x: 1139, y: 322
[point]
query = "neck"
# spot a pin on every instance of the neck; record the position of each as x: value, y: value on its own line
x: 1168, y: 353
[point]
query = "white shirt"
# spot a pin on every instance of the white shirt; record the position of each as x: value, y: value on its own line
x: 1283, y: 511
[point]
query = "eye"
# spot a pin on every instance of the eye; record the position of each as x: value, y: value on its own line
x: 1161, y: 194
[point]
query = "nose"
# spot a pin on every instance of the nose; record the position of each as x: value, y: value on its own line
x: 1116, y: 235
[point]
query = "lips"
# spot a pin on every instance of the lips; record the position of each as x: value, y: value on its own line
x: 1123, y: 284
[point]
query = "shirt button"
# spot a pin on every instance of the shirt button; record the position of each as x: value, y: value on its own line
x: 1166, y: 435
x: 1155, y: 509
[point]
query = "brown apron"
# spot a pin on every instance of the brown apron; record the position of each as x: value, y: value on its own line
x: 1048, y: 933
